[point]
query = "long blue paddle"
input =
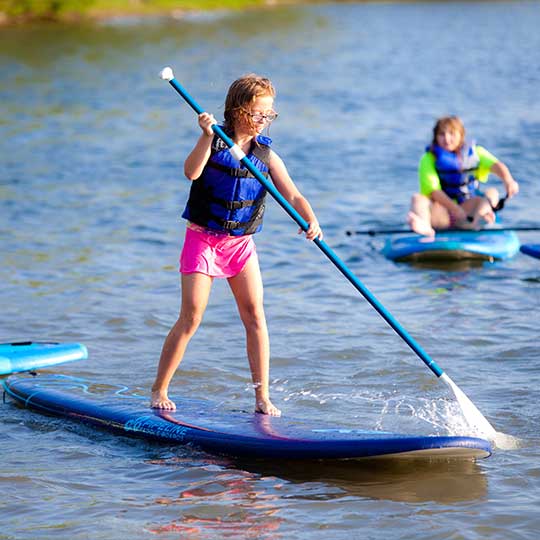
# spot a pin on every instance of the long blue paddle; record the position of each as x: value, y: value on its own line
x: 374, y: 232
x: 473, y: 416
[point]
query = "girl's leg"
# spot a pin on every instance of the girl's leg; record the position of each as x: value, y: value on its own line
x: 247, y: 289
x: 492, y: 195
x: 440, y: 217
x: 480, y: 209
x: 195, y: 292
x: 419, y: 216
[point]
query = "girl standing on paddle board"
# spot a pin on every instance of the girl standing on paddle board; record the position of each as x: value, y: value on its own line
x: 225, y: 208
x: 449, y: 173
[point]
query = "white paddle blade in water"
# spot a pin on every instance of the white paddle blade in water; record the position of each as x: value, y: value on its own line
x: 474, y: 417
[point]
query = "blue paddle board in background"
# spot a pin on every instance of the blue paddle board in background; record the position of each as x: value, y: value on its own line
x: 30, y: 355
x: 212, y: 428
x: 453, y: 245
x: 531, y: 249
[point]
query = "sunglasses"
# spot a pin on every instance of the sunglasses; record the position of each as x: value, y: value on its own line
x: 258, y: 117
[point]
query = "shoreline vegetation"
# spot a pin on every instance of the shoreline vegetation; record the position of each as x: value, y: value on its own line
x: 16, y: 12
x: 13, y: 12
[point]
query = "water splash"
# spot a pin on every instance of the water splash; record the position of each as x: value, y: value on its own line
x: 504, y: 441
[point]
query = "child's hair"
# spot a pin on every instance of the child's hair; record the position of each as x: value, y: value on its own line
x: 241, y: 94
x: 452, y: 122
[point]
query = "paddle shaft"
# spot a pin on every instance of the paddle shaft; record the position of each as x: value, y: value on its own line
x: 321, y: 244
x: 373, y: 232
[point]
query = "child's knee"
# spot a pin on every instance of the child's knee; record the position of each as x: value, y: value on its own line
x: 190, y: 321
x: 420, y: 201
x: 253, y: 318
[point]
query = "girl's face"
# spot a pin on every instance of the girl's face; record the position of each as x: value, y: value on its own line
x: 449, y: 139
x: 260, y: 114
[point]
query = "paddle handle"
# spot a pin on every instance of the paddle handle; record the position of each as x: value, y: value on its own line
x: 167, y: 74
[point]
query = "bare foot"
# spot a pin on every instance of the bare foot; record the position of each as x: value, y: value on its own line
x: 419, y: 225
x: 265, y: 406
x: 487, y: 216
x: 466, y: 225
x: 160, y: 400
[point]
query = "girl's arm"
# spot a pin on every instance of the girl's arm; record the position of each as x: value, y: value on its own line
x: 197, y: 159
x: 285, y: 185
x: 501, y: 170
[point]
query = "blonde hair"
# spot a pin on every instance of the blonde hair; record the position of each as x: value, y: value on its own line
x: 241, y: 94
x: 449, y: 122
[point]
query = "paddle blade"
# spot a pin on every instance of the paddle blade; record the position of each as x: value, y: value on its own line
x: 473, y: 416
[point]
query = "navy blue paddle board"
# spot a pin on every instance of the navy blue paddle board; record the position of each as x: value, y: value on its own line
x: 453, y: 245
x: 30, y: 355
x: 212, y: 428
x: 531, y: 249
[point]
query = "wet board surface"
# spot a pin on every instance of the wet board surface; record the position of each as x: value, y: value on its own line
x: 453, y: 245
x: 211, y: 427
x: 31, y: 355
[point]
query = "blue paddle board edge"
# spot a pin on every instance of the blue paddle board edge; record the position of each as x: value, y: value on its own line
x: 151, y: 425
x: 21, y: 356
x: 531, y: 249
x: 453, y: 245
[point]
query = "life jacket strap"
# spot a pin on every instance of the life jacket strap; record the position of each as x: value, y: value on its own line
x: 249, y: 225
x: 230, y: 225
x: 234, y: 171
x: 235, y: 205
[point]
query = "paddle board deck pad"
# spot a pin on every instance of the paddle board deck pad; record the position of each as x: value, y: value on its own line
x: 210, y: 427
x: 453, y: 245
x: 31, y: 355
x: 531, y: 249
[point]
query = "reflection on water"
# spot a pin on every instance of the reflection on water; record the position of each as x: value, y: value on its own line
x: 396, y: 480
x: 249, y: 500
x: 230, y: 502
x: 248, y: 511
x: 532, y: 278
x: 446, y: 265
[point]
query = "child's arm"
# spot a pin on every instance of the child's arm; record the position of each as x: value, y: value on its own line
x: 197, y: 159
x: 285, y: 185
x: 501, y: 170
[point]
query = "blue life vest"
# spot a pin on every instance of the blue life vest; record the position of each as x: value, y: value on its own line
x: 457, y: 172
x: 227, y: 197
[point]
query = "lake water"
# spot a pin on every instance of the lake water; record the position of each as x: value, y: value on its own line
x: 91, y: 188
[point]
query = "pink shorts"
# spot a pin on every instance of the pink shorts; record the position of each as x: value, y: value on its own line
x: 215, y: 254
